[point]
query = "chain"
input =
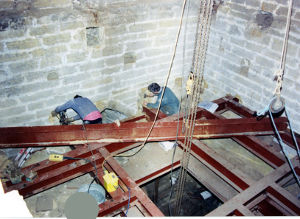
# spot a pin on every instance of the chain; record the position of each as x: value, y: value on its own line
x: 187, y: 121
x: 201, y: 71
x: 201, y: 45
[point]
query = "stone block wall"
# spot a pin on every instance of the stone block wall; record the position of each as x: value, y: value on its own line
x: 105, y: 50
x: 109, y: 50
x: 243, y: 54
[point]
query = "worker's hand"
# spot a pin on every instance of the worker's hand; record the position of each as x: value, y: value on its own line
x: 145, y: 103
x: 53, y: 113
x: 69, y: 120
x: 117, y: 122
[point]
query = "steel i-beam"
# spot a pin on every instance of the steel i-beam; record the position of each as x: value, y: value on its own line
x: 132, y: 132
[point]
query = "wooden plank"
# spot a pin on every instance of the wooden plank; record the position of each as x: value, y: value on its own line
x: 285, y: 197
x: 210, y: 180
x: 260, y: 150
x: 255, y: 201
x: 278, y: 205
x: 222, y: 168
x: 235, y: 174
x: 253, y: 190
x: 157, y: 173
x: 244, y: 211
x: 254, y: 145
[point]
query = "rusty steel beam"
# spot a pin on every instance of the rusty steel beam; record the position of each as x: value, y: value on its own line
x: 131, y: 132
x: 112, y: 206
x: 209, y: 158
x: 120, y: 198
x: 53, y: 178
x: 157, y: 173
x: 260, y: 150
x: 241, y: 110
x: 253, y: 144
x: 135, y: 190
x: 50, y: 174
x: 267, y: 209
x: 256, y: 189
x: 63, y: 171
x: 249, y: 142
x: 234, y: 105
x: 150, y: 113
x: 286, y: 198
x: 205, y: 155
x: 288, y: 139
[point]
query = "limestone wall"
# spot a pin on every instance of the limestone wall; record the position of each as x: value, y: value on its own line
x: 243, y: 55
x: 105, y: 50
x: 109, y: 50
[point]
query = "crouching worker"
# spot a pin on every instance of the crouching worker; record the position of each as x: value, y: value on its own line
x: 169, y: 104
x: 85, y: 109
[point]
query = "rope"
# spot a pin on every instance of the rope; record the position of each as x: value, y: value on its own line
x: 165, y: 85
x: 178, y: 114
x: 280, y: 72
x: 277, y: 93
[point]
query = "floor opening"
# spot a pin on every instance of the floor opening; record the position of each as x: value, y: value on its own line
x: 196, y: 201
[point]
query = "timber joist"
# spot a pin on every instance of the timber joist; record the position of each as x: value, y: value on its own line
x: 110, y: 139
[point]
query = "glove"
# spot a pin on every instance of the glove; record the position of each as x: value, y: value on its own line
x: 53, y: 113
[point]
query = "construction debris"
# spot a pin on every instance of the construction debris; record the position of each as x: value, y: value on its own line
x: 9, y: 170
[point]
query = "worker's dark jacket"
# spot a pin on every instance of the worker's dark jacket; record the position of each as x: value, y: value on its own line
x: 169, y: 104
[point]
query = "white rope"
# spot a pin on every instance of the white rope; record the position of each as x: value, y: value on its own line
x: 163, y: 90
x: 277, y: 93
x: 280, y: 72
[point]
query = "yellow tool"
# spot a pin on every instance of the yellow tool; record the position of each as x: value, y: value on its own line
x: 56, y: 157
x: 111, y: 181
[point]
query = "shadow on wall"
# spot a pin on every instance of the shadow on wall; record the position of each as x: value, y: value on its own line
x: 120, y: 107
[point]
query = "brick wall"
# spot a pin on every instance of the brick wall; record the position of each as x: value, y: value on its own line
x: 243, y: 57
x: 109, y: 50
x: 105, y: 50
